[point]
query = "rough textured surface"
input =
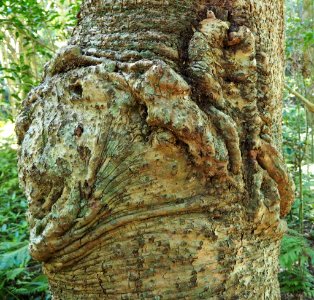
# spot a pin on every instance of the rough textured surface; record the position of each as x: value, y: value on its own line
x: 150, y: 153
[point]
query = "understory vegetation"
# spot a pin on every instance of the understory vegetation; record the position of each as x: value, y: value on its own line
x: 31, y: 31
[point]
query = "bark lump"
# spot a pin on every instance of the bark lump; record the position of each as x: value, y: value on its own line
x: 149, y: 153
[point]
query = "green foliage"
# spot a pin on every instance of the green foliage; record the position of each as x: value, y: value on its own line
x: 296, y: 147
x: 302, y: 33
x: 13, y: 225
x: 295, y: 259
x: 20, y: 276
x: 30, y: 32
x: 299, y: 27
x: 294, y: 132
x: 296, y: 276
x: 14, y: 254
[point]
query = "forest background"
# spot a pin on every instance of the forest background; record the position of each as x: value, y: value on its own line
x: 30, y: 33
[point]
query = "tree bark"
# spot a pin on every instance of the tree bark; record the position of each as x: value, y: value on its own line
x: 150, y: 153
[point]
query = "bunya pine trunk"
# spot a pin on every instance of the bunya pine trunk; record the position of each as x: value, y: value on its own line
x: 150, y: 152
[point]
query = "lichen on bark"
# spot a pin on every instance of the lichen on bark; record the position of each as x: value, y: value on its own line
x: 150, y: 153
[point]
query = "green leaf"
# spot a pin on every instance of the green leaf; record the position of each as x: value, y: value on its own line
x: 15, y: 258
x: 37, y: 285
x: 12, y: 274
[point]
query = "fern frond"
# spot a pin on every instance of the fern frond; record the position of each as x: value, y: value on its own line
x: 15, y: 258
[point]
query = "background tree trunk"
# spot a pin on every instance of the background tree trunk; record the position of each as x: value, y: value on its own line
x: 150, y: 153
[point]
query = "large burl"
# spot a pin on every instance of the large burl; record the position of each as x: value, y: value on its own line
x: 141, y: 150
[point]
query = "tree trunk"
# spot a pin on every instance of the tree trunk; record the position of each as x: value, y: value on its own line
x: 150, y: 153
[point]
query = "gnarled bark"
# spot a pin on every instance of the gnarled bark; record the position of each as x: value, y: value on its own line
x: 150, y: 153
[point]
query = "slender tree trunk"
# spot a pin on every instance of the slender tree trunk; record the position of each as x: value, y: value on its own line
x: 150, y: 153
